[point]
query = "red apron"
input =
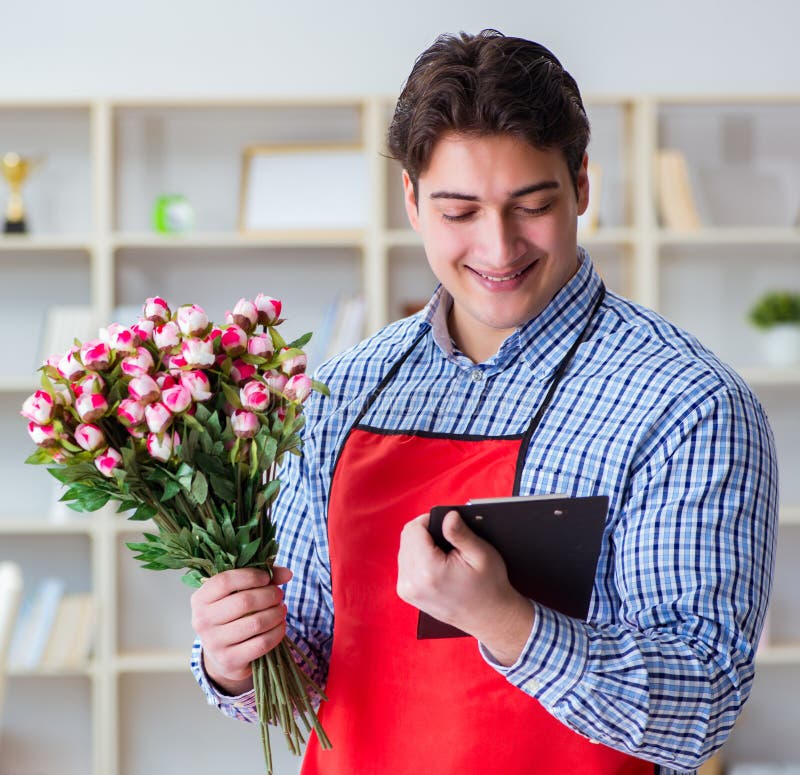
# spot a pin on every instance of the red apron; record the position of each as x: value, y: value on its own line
x: 402, y: 706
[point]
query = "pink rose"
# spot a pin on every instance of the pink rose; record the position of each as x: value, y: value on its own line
x: 245, y: 314
x: 245, y: 424
x: 296, y: 364
x: 138, y: 364
x: 242, y: 371
x: 120, y: 338
x: 95, y: 355
x: 161, y: 445
x: 175, y: 363
x: 43, y: 435
x: 260, y: 345
x: 269, y: 310
x: 192, y: 320
x: 298, y: 388
x: 91, y: 383
x: 90, y: 437
x: 107, y: 461
x: 275, y: 380
x: 165, y: 380
x: 138, y: 431
x: 156, y: 309
x: 197, y: 383
x: 69, y: 367
x: 143, y: 330
x: 130, y: 412
x: 177, y: 399
x: 197, y: 353
x: 144, y: 389
x: 234, y: 341
x: 38, y: 408
x: 91, y: 406
x: 157, y: 417
x: 255, y: 396
x: 167, y: 335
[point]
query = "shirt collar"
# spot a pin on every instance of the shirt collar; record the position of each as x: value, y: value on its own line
x: 541, y: 342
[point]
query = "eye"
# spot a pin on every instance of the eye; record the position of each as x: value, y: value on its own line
x: 457, y: 218
x: 533, y: 211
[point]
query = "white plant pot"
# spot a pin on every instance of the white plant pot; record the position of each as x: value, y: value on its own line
x: 781, y: 345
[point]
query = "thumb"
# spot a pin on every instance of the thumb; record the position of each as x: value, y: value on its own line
x: 456, y: 531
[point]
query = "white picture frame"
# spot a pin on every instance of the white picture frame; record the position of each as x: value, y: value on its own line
x: 299, y: 187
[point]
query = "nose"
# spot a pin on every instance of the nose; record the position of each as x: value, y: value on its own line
x: 500, y: 242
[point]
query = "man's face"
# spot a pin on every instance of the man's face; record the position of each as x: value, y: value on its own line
x: 498, y: 220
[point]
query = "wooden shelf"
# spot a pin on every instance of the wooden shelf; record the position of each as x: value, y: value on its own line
x: 223, y: 240
x: 754, y: 235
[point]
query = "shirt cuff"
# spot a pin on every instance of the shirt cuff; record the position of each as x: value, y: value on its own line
x: 553, y: 659
x: 242, y: 706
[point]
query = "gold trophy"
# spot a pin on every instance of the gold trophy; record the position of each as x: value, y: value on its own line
x: 15, y: 169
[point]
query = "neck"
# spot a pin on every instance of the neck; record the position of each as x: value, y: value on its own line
x: 477, y: 345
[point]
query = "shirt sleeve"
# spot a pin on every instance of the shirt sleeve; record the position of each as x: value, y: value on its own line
x: 299, y: 516
x: 693, y: 552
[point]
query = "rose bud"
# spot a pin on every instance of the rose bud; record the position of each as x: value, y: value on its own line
x: 130, y: 412
x: 91, y: 383
x: 175, y: 364
x: 69, y: 367
x: 197, y: 353
x: 255, y: 396
x: 177, y: 398
x: 157, y: 417
x: 164, y: 380
x: 245, y: 314
x: 280, y: 413
x: 89, y: 437
x: 167, y: 336
x: 38, y: 408
x: 121, y: 339
x: 192, y: 320
x: 63, y: 395
x: 143, y: 330
x: 43, y: 435
x: 269, y: 310
x: 241, y: 371
x: 275, y: 380
x: 107, y: 461
x: 138, y: 431
x: 156, y: 309
x: 298, y: 388
x: 294, y: 365
x: 198, y: 384
x: 245, y: 424
x: 260, y: 345
x: 95, y: 355
x: 139, y: 364
x: 160, y: 445
x: 144, y: 389
x: 91, y: 406
x: 234, y: 341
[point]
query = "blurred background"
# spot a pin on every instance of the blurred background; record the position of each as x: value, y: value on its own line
x: 206, y: 151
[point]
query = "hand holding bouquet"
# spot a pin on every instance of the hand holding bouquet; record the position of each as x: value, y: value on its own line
x: 184, y: 423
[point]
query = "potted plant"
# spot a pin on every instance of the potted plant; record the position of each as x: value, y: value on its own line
x: 777, y: 315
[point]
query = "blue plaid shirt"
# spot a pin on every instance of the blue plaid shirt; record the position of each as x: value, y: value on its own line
x: 644, y: 414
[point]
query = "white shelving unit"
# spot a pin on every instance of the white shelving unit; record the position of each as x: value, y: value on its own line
x: 91, y: 243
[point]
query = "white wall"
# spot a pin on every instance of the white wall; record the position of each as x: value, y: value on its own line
x: 92, y: 48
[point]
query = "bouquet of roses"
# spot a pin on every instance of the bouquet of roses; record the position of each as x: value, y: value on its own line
x: 184, y: 423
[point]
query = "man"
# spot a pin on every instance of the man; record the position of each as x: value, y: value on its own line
x: 522, y: 376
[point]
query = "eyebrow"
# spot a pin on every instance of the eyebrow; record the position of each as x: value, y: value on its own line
x: 532, y: 189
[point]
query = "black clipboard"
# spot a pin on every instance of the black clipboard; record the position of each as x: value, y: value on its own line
x: 550, y: 545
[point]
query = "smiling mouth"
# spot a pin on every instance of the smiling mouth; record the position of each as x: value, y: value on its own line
x: 502, y: 278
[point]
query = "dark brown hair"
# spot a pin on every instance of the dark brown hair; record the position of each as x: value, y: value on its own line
x: 488, y: 84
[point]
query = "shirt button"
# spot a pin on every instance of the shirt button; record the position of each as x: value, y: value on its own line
x: 477, y: 375
x: 532, y: 685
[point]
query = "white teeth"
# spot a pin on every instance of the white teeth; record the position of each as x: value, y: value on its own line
x: 501, y: 279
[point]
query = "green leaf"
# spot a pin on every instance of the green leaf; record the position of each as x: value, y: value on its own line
x: 192, y: 578
x: 199, y: 488
x: 171, y: 489
x: 247, y: 553
x: 278, y: 342
x: 40, y: 457
x: 231, y: 395
x: 301, y: 341
x: 320, y: 387
x: 223, y: 488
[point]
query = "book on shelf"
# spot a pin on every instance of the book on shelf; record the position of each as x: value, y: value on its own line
x: 34, y: 624
x: 675, y: 198
x: 69, y: 644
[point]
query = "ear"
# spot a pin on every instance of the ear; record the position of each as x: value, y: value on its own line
x: 583, y: 185
x: 410, y: 201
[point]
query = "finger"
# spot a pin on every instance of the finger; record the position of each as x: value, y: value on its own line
x: 227, y: 582
x: 456, y: 531
x: 281, y: 575
x: 246, y: 628
x: 415, y: 536
x: 244, y: 603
